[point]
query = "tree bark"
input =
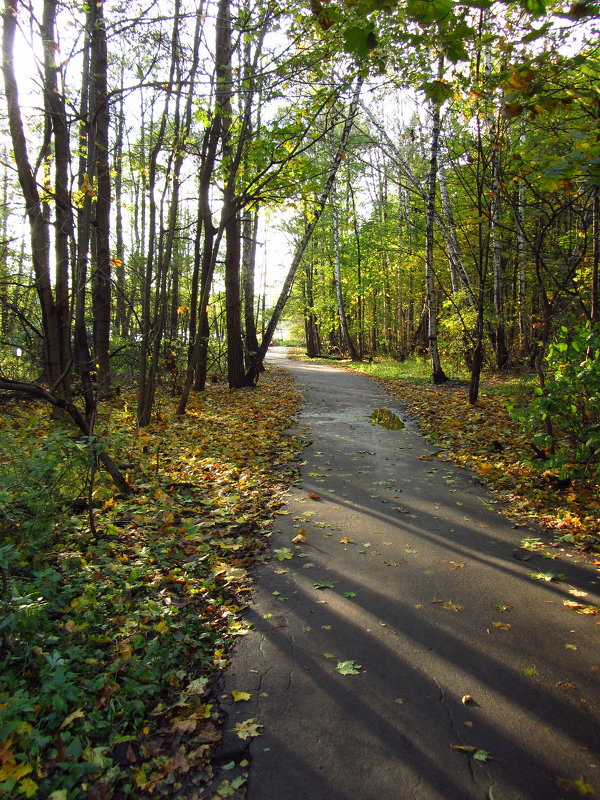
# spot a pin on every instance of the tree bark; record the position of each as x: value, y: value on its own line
x: 437, y: 373
x: 56, y: 369
x: 99, y: 147
x: 338, y: 278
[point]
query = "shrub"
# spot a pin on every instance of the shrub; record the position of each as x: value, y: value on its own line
x: 571, y: 400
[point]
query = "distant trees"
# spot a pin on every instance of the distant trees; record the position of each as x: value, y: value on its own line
x: 457, y: 216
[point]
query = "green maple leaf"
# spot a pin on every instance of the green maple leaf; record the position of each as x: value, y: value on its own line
x: 282, y: 553
x: 348, y: 668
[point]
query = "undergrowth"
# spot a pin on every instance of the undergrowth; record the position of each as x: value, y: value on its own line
x: 112, y: 634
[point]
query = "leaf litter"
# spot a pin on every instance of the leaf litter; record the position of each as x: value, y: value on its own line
x: 113, y: 689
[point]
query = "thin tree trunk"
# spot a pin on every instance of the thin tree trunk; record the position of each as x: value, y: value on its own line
x: 151, y: 325
x: 249, y: 241
x: 338, y: 278
x: 437, y: 373
x: 99, y: 125
x: 63, y: 227
x: 121, y: 322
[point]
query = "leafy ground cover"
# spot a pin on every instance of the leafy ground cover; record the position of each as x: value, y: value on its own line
x: 493, y: 441
x: 115, y: 625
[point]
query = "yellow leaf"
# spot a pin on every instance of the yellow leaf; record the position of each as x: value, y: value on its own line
x: 28, y: 787
x: 580, y: 786
x: 503, y: 626
x: 15, y: 771
x: 68, y: 720
x: 162, y: 626
x: 346, y: 540
x: 239, y: 696
x: 448, y: 605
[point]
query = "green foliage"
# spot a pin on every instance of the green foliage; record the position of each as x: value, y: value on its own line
x: 36, y: 479
x: 571, y: 401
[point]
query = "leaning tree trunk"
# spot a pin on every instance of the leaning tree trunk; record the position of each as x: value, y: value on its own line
x: 253, y: 371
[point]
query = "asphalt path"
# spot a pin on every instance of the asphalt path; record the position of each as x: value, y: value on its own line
x: 407, y: 624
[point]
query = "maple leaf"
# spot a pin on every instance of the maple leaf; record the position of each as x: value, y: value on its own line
x: 346, y: 540
x: 348, y: 668
x: 248, y: 729
x: 314, y: 496
x: 503, y: 626
x: 239, y: 696
x: 283, y: 553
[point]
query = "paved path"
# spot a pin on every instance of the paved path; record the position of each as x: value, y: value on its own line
x: 429, y: 599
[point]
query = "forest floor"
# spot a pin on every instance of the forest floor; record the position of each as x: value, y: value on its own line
x: 117, y: 619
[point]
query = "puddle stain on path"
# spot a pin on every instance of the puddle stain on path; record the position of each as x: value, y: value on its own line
x: 421, y: 617
x: 387, y: 419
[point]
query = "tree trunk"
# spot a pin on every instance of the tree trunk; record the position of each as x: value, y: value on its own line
x: 338, y: 278
x: 63, y: 227
x: 57, y: 371
x: 437, y: 373
x: 99, y: 146
x: 249, y: 236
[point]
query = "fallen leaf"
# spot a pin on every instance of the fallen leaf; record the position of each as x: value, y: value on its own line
x: 467, y: 699
x: 566, y: 686
x: 448, y: 605
x: 348, y: 668
x: 282, y: 553
x: 314, y: 496
x: 458, y: 564
x: 323, y: 585
x: 547, y: 576
x: 503, y: 626
x: 248, y: 729
x: 349, y: 594
x: 531, y: 672
x: 239, y: 696
x: 579, y: 786
x: 68, y: 720
x: 346, y: 540
x: 300, y: 537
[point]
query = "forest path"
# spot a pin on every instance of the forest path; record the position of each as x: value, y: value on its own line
x: 408, y: 571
